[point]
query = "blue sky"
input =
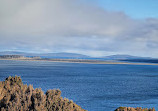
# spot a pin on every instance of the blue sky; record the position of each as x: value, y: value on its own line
x: 90, y: 27
x: 138, y: 9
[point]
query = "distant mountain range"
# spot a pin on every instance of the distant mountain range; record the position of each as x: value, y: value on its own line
x: 48, y: 55
x: 75, y: 56
x: 129, y: 58
x: 124, y: 57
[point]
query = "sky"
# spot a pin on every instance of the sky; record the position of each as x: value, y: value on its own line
x: 137, y: 9
x: 91, y: 27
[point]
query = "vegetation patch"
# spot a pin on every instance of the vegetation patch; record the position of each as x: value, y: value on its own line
x: 15, y: 96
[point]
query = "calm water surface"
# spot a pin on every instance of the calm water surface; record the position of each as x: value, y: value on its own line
x: 94, y: 87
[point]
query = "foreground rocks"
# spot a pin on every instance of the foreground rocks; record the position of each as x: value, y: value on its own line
x: 15, y: 96
x: 133, y: 109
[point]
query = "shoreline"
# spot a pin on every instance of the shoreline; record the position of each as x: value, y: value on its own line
x: 82, y: 61
x: 29, y: 98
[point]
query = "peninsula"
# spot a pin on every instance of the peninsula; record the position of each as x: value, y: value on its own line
x: 88, y: 61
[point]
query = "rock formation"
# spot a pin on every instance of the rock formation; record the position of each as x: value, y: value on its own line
x: 133, y: 109
x: 15, y: 96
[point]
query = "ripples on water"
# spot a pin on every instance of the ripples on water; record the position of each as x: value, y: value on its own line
x: 94, y: 87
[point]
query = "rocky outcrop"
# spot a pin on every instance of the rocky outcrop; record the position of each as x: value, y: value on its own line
x: 133, y: 109
x: 15, y: 96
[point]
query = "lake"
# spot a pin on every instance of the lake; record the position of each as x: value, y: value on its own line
x: 95, y: 87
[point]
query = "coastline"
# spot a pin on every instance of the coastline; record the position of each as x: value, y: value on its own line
x: 82, y: 61
x: 18, y: 96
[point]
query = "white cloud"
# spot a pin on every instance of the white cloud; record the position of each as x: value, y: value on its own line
x: 61, y: 25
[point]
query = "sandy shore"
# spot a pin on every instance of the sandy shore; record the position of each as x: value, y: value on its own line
x: 82, y: 61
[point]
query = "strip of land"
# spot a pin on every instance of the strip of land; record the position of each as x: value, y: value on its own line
x: 76, y: 61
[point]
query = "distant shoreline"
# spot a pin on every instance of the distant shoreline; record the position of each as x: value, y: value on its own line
x: 81, y: 61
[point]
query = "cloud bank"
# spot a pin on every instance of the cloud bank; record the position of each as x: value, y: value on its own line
x: 74, y: 26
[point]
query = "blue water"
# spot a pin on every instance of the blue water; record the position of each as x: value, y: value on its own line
x: 94, y: 87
